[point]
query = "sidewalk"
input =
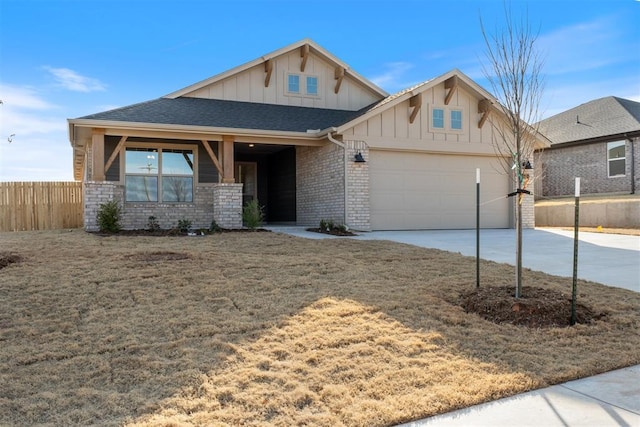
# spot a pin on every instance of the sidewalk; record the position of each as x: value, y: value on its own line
x: 609, y: 399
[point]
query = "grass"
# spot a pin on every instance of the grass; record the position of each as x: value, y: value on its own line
x: 268, y: 329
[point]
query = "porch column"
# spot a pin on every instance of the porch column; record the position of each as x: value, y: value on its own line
x: 97, y: 152
x: 228, y: 159
x: 227, y: 205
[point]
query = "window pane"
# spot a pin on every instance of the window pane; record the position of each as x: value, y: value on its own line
x: 456, y: 120
x: 177, y: 162
x: 294, y: 83
x: 141, y: 161
x: 438, y: 118
x: 141, y: 188
x: 177, y: 189
x: 616, y: 167
x: 312, y: 85
x: 615, y: 150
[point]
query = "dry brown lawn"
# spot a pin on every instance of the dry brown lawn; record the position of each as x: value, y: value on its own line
x: 268, y: 329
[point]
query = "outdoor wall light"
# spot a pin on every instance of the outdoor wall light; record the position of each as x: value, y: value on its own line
x: 527, y: 165
x: 359, y: 158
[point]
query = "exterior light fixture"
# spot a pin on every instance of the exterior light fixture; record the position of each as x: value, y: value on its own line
x: 359, y: 159
x: 527, y: 165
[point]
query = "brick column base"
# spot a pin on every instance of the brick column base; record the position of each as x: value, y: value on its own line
x: 96, y: 193
x: 227, y: 205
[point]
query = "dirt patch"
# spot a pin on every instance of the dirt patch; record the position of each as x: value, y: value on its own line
x: 6, y: 259
x: 536, y: 308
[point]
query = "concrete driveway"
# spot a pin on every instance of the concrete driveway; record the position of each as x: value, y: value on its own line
x: 610, y: 259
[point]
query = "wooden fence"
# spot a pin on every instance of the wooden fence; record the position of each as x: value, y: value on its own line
x: 40, y: 205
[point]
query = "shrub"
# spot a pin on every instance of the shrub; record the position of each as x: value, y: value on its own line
x: 109, y: 214
x: 152, y: 224
x: 184, y: 225
x: 252, y: 214
x: 214, y: 228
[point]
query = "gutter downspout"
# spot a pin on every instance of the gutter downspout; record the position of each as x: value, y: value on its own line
x: 633, y: 165
x: 344, y: 148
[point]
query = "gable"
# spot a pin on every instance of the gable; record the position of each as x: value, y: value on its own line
x: 265, y: 80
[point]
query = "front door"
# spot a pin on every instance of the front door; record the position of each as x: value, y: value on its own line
x: 247, y: 174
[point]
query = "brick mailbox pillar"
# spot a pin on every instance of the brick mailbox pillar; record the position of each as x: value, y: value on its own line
x: 227, y: 205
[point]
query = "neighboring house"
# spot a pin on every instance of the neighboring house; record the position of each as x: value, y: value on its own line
x: 310, y: 139
x: 598, y: 141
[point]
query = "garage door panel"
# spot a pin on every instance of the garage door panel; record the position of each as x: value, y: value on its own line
x: 427, y: 191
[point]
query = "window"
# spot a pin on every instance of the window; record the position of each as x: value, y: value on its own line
x: 616, y: 158
x: 456, y: 120
x: 158, y: 175
x: 312, y: 86
x: 438, y: 118
x: 293, y: 85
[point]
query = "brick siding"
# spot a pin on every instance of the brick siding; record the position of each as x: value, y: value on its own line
x: 358, y: 206
x: 319, y: 184
x: 136, y: 215
x: 561, y: 165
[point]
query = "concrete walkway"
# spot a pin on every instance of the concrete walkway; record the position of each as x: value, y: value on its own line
x: 609, y: 399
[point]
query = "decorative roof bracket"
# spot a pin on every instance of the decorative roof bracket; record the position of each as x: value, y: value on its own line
x: 339, y: 76
x: 268, y: 68
x: 304, y: 54
x: 452, y: 84
x: 484, y: 107
x: 415, y: 102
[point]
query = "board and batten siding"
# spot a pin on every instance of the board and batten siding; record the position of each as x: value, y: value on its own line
x: 391, y: 127
x: 249, y: 86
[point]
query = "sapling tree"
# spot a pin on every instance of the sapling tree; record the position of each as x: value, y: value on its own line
x: 514, y: 70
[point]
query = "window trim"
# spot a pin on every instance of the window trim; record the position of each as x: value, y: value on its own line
x: 446, y: 119
x: 159, y: 147
x: 302, y: 85
x: 610, y: 146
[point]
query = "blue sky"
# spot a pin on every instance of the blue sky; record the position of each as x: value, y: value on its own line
x: 64, y: 59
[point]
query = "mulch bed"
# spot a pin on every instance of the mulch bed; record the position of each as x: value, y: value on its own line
x: 333, y: 232
x: 177, y: 232
x: 536, y: 307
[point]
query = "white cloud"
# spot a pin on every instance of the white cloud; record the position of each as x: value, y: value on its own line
x: 73, y: 81
x: 390, y: 80
x: 584, y: 46
x: 22, y: 97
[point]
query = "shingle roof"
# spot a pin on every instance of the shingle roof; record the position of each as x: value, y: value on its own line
x: 595, y: 119
x: 228, y: 114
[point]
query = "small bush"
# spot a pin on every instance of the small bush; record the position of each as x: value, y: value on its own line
x: 152, y: 224
x: 184, y: 225
x: 252, y: 215
x: 109, y: 215
x: 214, y: 228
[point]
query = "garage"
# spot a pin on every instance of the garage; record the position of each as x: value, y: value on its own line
x: 410, y: 190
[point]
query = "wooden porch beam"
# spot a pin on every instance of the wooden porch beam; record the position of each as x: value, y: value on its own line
x: 115, y: 153
x: 339, y: 76
x: 452, y: 84
x: 97, y: 153
x: 304, y: 54
x: 415, y: 102
x: 268, y: 68
x: 484, y: 107
x: 227, y: 159
x: 213, y: 157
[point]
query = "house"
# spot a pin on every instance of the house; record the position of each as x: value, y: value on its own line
x: 310, y: 139
x: 598, y: 141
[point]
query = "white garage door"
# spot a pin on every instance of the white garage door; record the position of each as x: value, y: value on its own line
x: 430, y: 191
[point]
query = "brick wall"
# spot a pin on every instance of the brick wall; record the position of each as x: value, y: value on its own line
x: 358, y: 207
x: 319, y: 184
x: 560, y: 166
x: 528, y: 202
x: 227, y: 205
x: 136, y: 215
